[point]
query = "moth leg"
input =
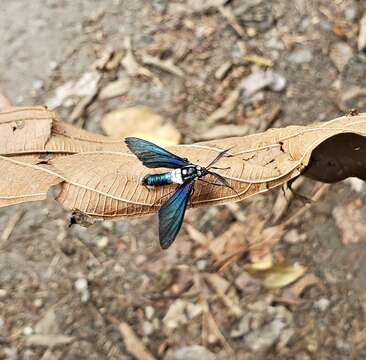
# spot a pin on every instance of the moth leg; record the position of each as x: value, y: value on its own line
x: 211, y: 183
x: 218, y: 184
x: 147, y: 187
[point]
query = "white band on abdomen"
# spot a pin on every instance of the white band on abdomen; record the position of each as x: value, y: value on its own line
x: 177, y: 176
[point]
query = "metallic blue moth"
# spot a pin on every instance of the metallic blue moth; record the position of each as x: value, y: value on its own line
x: 184, y: 173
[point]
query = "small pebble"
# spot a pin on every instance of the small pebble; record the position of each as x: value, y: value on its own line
x: 325, y: 25
x: 341, y: 53
x: 37, y: 84
x: 351, y: 13
x: 301, y: 56
x: 195, y: 352
x: 293, y: 237
x: 53, y: 65
x: 201, y: 264
x: 322, y: 304
x: 27, y: 331
x: 242, y: 327
x: 102, y: 242
x: 148, y: 328
x: 81, y: 285
x: 140, y: 259
x: 149, y: 312
x: 3, y: 293
x: 38, y: 303
x: 11, y: 353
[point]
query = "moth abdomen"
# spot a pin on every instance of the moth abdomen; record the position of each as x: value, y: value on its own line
x: 158, y: 179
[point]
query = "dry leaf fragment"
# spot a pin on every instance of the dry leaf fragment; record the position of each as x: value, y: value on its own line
x: 262, y: 79
x: 133, y: 344
x: 260, y: 263
x: 223, y: 69
x: 49, y: 340
x: 232, y: 20
x: 193, y: 352
x: 204, y: 5
x: 282, y: 275
x: 115, y: 88
x: 86, y: 86
x: 341, y: 53
x: 297, y: 289
x: 226, y: 108
x: 24, y: 129
x: 166, y: 65
x: 361, y: 41
x: 175, y: 315
x: 227, y: 294
x: 259, y: 60
x: 25, y: 181
x: 131, y: 65
x: 115, y: 60
x: 349, y: 219
x: 10, y: 226
x: 222, y: 131
x: 140, y: 121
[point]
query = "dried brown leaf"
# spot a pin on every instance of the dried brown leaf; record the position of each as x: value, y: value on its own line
x: 140, y: 121
x: 38, y: 130
x: 297, y: 289
x: 133, y: 344
x: 223, y: 131
x: 49, y: 340
x: 102, y: 179
x: 115, y: 88
x: 107, y: 184
x: 25, y: 181
x: 226, y: 108
x: 166, y: 65
x: 226, y: 293
x: 24, y: 129
x: 282, y: 275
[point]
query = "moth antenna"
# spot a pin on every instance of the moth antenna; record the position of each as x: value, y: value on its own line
x: 220, y: 168
x: 218, y: 157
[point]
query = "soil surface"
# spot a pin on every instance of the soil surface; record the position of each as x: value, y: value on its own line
x: 71, y: 292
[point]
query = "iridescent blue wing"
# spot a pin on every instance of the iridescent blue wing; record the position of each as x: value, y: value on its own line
x: 153, y: 156
x: 171, y: 214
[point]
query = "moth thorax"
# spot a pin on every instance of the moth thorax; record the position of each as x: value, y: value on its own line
x: 177, y: 176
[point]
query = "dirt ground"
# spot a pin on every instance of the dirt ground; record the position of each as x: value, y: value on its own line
x: 79, y: 289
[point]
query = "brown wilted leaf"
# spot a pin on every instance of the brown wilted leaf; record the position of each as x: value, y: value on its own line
x: 24, y: 129
x: 102, y: 179
x: 25, y: 181
x: 38, y: 130
x: 140, y: 121
x: 49, y: 340
x: 282, y: 275
x: 133, y: 344
x: 226, y: 293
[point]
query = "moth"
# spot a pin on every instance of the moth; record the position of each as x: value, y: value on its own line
x: 184, y: 173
